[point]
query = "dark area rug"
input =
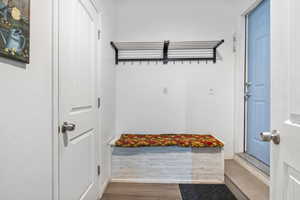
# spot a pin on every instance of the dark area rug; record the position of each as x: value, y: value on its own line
x: 205, y: 192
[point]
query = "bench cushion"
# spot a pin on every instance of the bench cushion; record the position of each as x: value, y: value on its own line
x: 181, y: 140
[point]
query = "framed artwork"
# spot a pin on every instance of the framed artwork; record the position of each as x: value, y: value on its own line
x: 15, y: 30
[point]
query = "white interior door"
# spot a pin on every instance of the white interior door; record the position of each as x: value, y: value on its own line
x: 77, y: 100
x: 285, y: 99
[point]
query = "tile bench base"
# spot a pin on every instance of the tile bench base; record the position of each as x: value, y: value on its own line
x: 168, y: 165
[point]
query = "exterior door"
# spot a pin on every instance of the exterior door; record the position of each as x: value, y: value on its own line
x: 258, y: 81
x: 77, y: 101
x: 285, y: 95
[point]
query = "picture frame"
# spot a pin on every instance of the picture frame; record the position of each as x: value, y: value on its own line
x: 15, y: 30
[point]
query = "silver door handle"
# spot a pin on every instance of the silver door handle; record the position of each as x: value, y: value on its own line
x: 247, y: 96
x: 248, y: 84
x: 271, y: 136
x: 67, y: 127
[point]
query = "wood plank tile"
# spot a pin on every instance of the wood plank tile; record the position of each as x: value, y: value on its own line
x: 135, y: 191
x: 168, y: 164
x: 251, y: 186
x: 126, y: 197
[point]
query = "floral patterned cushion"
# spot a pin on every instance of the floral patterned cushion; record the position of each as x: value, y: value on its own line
x: 181, y: 140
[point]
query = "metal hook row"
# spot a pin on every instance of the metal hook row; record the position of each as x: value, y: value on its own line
x: 173, y: 62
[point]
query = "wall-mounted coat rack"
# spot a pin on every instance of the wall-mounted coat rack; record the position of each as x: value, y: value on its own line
x: 166, y: 51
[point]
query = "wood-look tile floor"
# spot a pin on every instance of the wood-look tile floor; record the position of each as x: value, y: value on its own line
x: 252, y: 187
x: 249, y: 185
x: 135, y: 191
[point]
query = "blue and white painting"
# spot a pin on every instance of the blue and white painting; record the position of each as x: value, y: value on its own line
x: 15, y: 29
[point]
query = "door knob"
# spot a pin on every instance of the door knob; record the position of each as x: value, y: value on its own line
x: 271, y: 136
x: 67, y: 127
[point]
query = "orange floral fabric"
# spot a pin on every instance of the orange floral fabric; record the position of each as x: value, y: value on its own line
x: 181, y: 140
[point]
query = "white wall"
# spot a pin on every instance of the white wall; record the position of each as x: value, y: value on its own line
x: 107, y: 85
x: 199, y: 97
x: 188, y: 103
x: 26, y: 121
x: 26, y: 109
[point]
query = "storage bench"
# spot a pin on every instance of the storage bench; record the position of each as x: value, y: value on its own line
x: 140, y: 161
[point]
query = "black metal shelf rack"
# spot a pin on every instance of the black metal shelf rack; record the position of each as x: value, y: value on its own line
x: 166, y: 51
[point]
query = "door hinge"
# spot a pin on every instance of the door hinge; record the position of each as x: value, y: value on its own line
x: 98, y: 170
x: 99, y: 102
x: 99, y: 34
x: 234, y: 48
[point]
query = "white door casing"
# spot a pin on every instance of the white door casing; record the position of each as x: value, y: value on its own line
x: 285, y: 99
x: 77, y: 100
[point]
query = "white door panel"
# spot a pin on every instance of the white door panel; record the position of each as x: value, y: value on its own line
x: 292, y: 184
x: 285, y: 99
x: 77, y: 64
x: 294, y: 61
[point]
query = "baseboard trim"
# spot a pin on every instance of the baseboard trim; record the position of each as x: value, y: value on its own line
x: 166, y: 181
x: 103, y: 188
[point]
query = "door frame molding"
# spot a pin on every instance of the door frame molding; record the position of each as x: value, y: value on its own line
x: 55, y: 97
x: 240, y: 77
x: 55, y: 100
